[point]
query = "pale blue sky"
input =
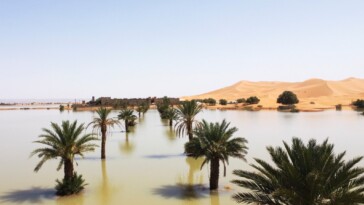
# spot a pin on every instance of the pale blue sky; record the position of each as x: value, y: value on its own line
x: 76, y: 49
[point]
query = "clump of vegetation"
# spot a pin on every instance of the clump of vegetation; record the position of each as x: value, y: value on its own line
x: 338, y: 107
x: 186, y: 112
x: 70, y: 186
x: 358, y: 103
x: 142, y: 108
x: 223, y: 102
x: 302, y: 174
x: 240, y: 100
x: 252, y: 100
x: 65, y: 142
x: 129, y: 118
x: 287, y: 98
x: 312, y: 103
x: 74, y: 107
x: 171, y: 115
x: 163, y: 106
x: 61, y: 108
x: 215, y: 142
x: 102, y: 123
x: 97, y: 101
x: 209, y: 101
x: 294, y: 110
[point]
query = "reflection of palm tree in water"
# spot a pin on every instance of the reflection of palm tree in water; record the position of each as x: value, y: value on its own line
x: 190, y: 186
x: 104, y: 188
x: 126, y: 147
x: 214, y: 198
x: 193, y: 187
x: 170, y: 133
x: 195, y: 166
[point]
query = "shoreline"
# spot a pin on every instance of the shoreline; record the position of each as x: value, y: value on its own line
x: 251, y: 108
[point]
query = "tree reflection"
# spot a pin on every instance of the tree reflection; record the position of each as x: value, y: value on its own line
x: 106, y: 190
x: 194, y: 166
x: 170, y: 133
x: 214, y: 198
x: 126, y: 147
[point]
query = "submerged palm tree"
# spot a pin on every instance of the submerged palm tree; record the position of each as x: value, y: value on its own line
x: 128, y: 117
x: 142, y: 108
x: 171, y: 114
x: 214, y: 142
x: 187, y: 112
x: 64, y: 142
x: 102, y: 123
x: 303, y: 175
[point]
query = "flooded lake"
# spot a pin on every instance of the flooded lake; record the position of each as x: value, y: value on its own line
x: 147, y: 165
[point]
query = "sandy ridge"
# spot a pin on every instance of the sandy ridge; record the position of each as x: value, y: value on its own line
x: 313, y: 93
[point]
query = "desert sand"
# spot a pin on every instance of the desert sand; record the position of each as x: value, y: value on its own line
x: 314, y: 94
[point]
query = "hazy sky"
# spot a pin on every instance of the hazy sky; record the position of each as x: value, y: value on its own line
x: 81, y: 48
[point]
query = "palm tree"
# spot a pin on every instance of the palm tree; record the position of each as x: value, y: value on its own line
x: 139, y: 109
x: 145, y: 107
x: 214, y: 142
x: 187, y: 112
x: 64, y: 142
x: 102, y: 123
x: 303, y: 175
x: 171, y: 114
x: 142, y: 108
x: 128, y: 117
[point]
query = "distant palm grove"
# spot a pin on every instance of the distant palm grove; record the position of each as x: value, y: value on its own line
x: 298, y: 173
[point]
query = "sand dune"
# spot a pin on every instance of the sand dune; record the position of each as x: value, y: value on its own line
x: 313, y: 93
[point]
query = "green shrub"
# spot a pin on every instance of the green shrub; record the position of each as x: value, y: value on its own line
x: 163, y: 106
x: 71, y: 186
x: 359, y: 103
x: 338, y: 107
x: 61, y: 108
x: 240, y: 100
x: 253, y: 100
x: 209, y: 101
x: 223, y: 102
x: 287, y: 98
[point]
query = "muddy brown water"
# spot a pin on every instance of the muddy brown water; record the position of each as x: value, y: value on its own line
x: 147, y: 165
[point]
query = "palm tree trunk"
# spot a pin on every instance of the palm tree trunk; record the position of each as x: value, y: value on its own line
x: 214, y: 173
x: 126, y: 126
x: 170, y: 122
x: 103, y: 142
x: 68, y: 169
x: 189, y: 130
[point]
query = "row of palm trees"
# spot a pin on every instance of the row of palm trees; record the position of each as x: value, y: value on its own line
x: 301, y: 175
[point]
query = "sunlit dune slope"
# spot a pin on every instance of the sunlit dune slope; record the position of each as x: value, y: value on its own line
x: 313, y: 93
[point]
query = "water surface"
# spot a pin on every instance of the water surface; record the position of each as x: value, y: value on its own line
x: 147, y: 165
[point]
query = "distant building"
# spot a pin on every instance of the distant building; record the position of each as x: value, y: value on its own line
x: 108, y: 101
